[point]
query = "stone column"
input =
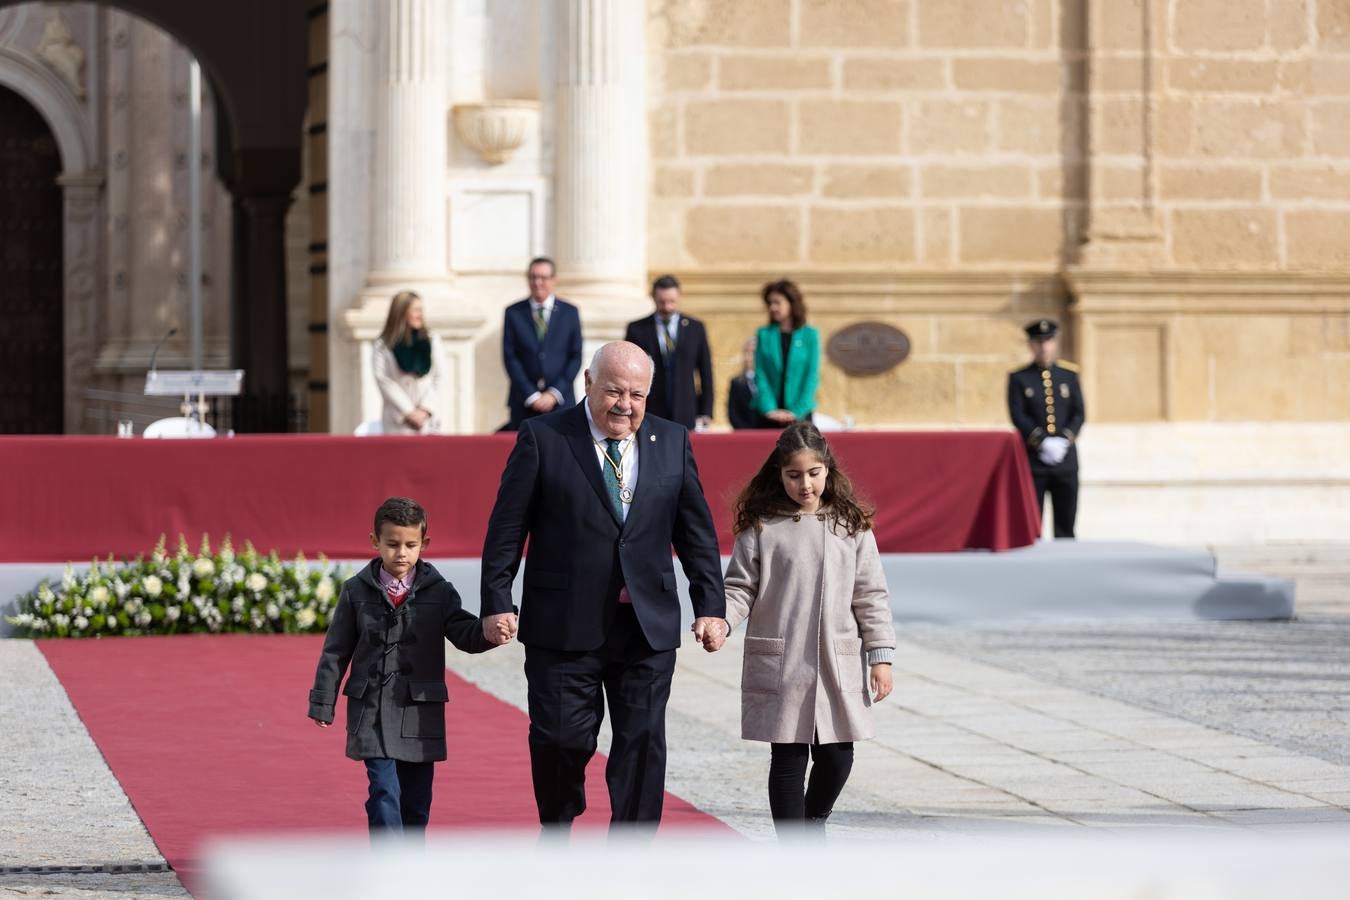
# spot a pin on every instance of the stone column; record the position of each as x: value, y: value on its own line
x: 600, y: 184
x: 408, y: 247
x: 1124, y: 119
x: 82, y: 192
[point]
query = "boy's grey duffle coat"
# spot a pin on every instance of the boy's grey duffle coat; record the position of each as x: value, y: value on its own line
x: 396, y: 692
x: 817, y: 602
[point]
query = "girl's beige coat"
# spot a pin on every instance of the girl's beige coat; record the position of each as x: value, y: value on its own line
x: 816, y: 601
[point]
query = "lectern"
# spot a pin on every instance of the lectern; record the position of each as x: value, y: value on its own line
x: 194, y: 382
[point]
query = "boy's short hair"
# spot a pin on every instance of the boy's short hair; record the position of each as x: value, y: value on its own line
x: 402, y: 511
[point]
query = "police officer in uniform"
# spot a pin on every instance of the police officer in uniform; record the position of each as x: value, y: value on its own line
x: 1046, y: 406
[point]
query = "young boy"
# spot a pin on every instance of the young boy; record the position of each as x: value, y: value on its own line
x: 390, y: 623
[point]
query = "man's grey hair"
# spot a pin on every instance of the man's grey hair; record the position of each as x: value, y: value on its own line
x: 600, y: 356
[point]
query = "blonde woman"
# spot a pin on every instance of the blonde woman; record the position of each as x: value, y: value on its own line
x: 406, y: 368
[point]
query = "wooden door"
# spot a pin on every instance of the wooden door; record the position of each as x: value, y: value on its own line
x: 32, y: 353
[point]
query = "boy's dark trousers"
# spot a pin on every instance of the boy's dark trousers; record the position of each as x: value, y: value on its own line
x: 400, y: 796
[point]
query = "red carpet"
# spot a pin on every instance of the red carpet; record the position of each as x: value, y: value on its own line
x: 208, y: 736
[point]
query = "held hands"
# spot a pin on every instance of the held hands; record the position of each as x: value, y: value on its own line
x: 416, y: 418
x: 783, y: 416
x: 545, y: 403
x: 499, y: 629
x: 711, y: 632
x: 881, y: 682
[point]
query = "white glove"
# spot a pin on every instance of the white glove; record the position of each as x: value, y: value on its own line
x: 1053, y: 450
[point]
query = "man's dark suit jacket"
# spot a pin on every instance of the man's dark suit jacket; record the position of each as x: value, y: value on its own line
x: 741, y: 403
x: 552, y: 492
x: 533, y: 365
x: 674, y: 395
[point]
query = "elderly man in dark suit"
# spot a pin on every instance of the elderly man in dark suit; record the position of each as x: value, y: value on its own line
x: 679, y: 346
x: 602, y: 492
x: 541, y: 347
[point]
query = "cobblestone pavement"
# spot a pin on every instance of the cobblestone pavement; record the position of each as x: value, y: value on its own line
x: 992, y: 730
x: 1284, y: 683
x: 964, y: 747
x: 62, y: 808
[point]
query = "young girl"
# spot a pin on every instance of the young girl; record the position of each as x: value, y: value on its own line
x: 806, y: 573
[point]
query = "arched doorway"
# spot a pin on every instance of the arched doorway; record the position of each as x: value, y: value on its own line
x: 32, y: 394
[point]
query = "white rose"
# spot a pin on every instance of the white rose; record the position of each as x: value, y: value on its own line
x: 121, y: 588
x: 81, y: 623
x: 61, y: 619
x: 237, y: 604
x: 143, y: 618
x: 257, y: 582
x: 152, y: 585
x: 111, y: 623
x: 203, y: 566
x: 272, y: 611
x: 99, y: 594
x: 132, y: 606
x: 172, y: 613
x: 324, y: 590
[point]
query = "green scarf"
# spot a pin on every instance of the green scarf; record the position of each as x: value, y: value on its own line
x: 414, y: 355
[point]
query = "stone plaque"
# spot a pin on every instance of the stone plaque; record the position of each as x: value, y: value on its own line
x: 868, y: 348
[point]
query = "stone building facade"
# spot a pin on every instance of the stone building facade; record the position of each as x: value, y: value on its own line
x: 1169, y: 178
x: 110, y: 91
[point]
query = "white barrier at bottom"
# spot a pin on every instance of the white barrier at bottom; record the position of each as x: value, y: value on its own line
x: 1153, y: 864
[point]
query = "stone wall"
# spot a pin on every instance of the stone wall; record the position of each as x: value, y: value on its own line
x: 1027, y: 157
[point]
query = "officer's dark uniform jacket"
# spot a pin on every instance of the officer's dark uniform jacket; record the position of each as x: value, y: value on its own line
x: 1046, y: 401
x: 396, y: 692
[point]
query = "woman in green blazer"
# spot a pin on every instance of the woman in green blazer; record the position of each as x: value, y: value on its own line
x: 787, y: 358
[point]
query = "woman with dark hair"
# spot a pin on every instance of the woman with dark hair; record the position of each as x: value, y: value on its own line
x: 405, y: 368
x: 787, y: 358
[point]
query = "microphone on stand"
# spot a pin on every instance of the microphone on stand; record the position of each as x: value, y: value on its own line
x: 154, y: 353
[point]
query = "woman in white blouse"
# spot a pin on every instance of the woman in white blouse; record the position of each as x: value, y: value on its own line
x: 406, y: 368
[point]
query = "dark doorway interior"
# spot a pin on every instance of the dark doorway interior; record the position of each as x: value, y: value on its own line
x: 32, y: 354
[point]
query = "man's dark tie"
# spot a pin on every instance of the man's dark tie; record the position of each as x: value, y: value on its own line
x: 670, y: 338
x: 612, y: 477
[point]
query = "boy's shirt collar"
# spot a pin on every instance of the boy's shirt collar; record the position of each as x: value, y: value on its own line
x: 392, y: 585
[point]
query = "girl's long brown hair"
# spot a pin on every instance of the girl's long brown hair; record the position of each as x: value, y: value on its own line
x: 764, y: 496
x: 396, y: 330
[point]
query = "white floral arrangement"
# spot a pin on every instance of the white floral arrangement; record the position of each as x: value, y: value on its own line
x: 184, y: 593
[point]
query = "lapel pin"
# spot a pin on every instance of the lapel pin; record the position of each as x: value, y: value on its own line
x: 652, y: 438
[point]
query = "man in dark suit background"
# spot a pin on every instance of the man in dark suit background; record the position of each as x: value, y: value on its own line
x: 1045, y: 402
x: 541, y: 347
x: 679, y: 346
x: 602, y: 493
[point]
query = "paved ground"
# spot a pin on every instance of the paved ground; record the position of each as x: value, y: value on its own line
x: 1042, y: 729
x: 964, y: 747
x: 61, y: 807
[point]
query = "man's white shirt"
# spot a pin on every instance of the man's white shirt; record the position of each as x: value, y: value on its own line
x: 627, y: 447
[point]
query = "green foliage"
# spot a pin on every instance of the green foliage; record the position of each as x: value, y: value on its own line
x: 184, y: 593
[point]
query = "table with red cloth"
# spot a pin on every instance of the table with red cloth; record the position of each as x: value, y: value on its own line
x: 76, y: 498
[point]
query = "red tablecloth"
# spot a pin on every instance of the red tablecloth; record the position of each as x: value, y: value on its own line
x: 74, y: 498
